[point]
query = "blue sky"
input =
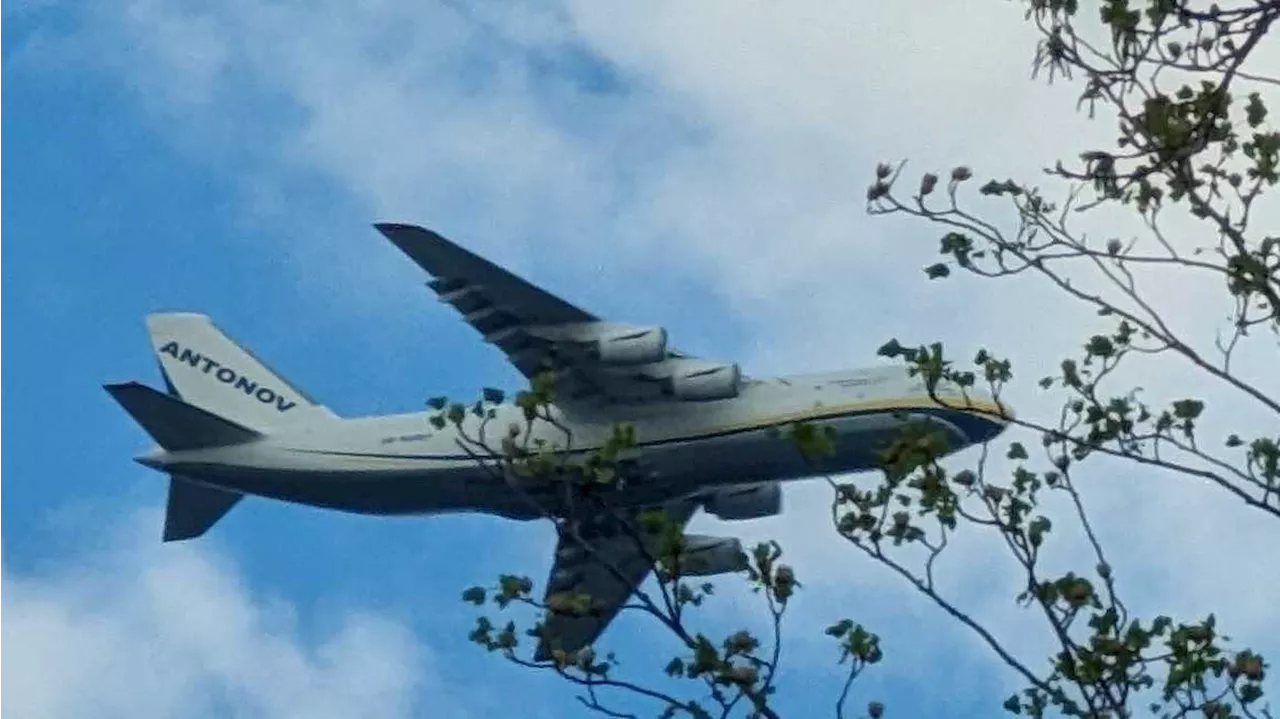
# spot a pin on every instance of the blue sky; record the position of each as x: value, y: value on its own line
x: 700, y: 169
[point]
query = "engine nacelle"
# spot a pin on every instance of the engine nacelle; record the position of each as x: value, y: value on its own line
x: 720, y: 381
x: 761, y: 500
x: 617, y: 344
x: 706, y: 556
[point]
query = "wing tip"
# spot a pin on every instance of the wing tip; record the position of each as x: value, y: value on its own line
x: 389, y: 228
x: 115, y: 388
x: 169, y: 534
x: 428, y: 248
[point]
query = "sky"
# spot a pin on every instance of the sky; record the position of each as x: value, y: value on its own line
x: 699, y: 166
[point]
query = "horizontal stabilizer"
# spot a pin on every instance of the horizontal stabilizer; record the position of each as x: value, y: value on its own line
x: 194, y: 508
x: 174, y: 424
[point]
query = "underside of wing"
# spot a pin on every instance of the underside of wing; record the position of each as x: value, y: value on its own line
x: 589, y: 358
x: 585, y: 593
x: 591, y: 580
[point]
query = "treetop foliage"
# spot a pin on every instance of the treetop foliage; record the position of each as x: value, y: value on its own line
x: 1194, y: 156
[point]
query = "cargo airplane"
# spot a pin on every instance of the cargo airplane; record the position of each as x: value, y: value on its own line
x: 705, y: 433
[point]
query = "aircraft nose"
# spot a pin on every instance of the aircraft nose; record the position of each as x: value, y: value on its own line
x: 984, y: 422
x: 994, y: 429
x: 996, y: 425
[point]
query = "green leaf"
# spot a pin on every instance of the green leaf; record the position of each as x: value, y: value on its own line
x: 937, y: 270
x: 813, y: 440
x: 493, y: 396
x: 457, y: 413
x: 1017, y: 451
x: 1012, y: 705
x: 474, y: 595
x: 954, y: 243
x: 1250, y: 693
x: 1037, y: 529
x: 1255, y: 111
x: 892, y: 348
x: 1100, y: 346
x: 1187, y: 408
x: 437, y: 403
x: 840, y: 628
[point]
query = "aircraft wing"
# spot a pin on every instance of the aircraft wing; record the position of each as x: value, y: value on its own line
x: 592, y: 359
x: 608, y: 575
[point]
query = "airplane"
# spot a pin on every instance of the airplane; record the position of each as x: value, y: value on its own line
x: 706, y: 434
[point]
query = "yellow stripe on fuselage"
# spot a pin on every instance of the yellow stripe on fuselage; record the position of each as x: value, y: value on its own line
x: 990, y: 410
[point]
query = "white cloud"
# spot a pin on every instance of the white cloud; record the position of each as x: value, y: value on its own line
x: 139, y: 629
x: 737, y: 152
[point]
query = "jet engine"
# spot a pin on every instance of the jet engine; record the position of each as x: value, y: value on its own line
x: 711, y: 381
x: 706, y: 556
x: 761, y: 500
x: 620, y: 344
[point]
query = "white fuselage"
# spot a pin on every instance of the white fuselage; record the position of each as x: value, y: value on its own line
x: 400, y: 464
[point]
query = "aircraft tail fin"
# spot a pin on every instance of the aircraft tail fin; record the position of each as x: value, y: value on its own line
x: 206, y: 368
x: 174, y: 424
x: 193, y: 508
